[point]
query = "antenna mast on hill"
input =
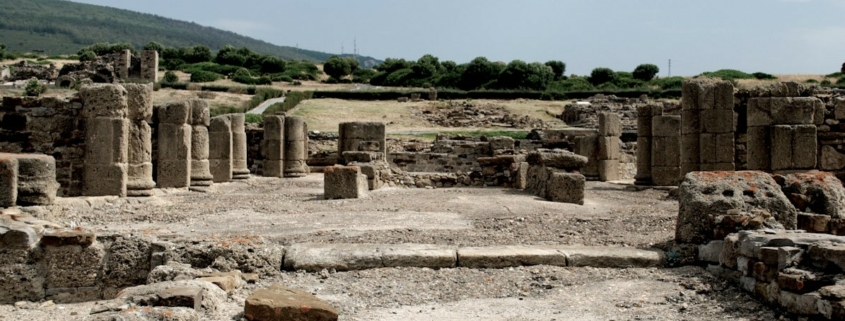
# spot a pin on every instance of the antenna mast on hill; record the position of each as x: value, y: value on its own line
x: 355, y: 48
x: 670, y: 67
x: 341, y: 49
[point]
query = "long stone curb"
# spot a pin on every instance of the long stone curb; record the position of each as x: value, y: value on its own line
x: 348, y: 257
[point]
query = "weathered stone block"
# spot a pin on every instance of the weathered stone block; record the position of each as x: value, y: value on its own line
x: 188, y: 297
x: 666, y: 176
x: 724, y: 95
x: 139, y: 101
x: 609, y: 148
x: 665, y: 151
x: 73, y: 266
x: 104, y: 101
x: 816, y: 192
x: 501, y: 142
x: 666, y: 126
x: 716, y: 121
x: 690, y: 122
x: 643, y: 160
x: 717, y: 148
x: 280, y: 303
x: 344, y: 182
x: 178, y: 113
x: 557, y: 159
x: 610, y: 124
x: 706, y: 195
x: 105, y: 180
x: 8, y: 180
x: 106, y: 140
x: 759, y: 148
x: 785, y: 111
x: 566, y: 188
x: 609, y: 170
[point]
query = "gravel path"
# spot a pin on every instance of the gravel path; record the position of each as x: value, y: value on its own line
x: 261, y: 108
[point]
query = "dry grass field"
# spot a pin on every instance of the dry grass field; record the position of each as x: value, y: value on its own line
x: 326, y: 114
x: 802, y: 78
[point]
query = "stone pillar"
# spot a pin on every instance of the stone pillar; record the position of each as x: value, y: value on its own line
x: 149, y: 65
x: 239, y: 149
x: 220, y: 148
x: 273, y: 145
x: 174, y: 145
x: 200, y: 120
x: 665, y: 150
x: 342, y: 182
x: 8, y: 180
x: 140, y: 168
x: 296, y: 147
x: 644, y: 142
x: 708, y: 126
x: 610, y: 128
x: 36, y: 179
x: 122, y: 64
x: 783, y: 132
x: 105, y: 108
x: 361, y: 136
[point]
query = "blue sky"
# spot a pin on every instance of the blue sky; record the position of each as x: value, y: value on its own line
x: 774, y: 36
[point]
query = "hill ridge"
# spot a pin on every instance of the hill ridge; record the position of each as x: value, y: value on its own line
x: 63, y: 27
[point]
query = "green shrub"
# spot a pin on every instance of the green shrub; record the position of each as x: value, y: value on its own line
x: 296, y: 83
x: 292, y: 99
x: 571, y: 84
x: 668, y: 82
x: 204, y: 76
x: 601, y: 75
x: 34, y: 88
x: 87, y: 56
x: 727, y: 74
x: 281, y: 77
x: 825, y: 82
x: 331, y: 80
x: 812, y: 81
x: 262, y: 95
x: 645, y: 72
x: 834, y: 75
x: 170, y: 77
x: 253, y: 118
x: 764, y: 76
x: 841, y: 81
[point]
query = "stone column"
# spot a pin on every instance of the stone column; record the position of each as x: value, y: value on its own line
x: 239, y: 149
x: 610, y: 128
x: 296, y: 147
x: 665, y: 150
x: 140, y: 168
x: 8, y: 180
x: 122, y: 64
x: 149, y: 65
x: 36, y: 179
x: 274, y: 138
x: 174, y: 145
x: 644, y: 142
x: 105, y: 108
x: 201, y: 177
x: 220, y: 148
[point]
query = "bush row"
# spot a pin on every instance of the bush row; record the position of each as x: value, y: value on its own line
x: 495, y: 94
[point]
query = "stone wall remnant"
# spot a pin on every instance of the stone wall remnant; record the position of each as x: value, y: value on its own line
x: 361, y: 137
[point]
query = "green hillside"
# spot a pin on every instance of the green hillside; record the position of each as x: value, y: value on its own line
x: 63, y: 27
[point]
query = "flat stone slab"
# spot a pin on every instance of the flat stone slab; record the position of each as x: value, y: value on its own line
x: 509, y: 256
x: 347, y: 257
x: 419, y: 255
x: 341, y: 257
x: 611, y: 257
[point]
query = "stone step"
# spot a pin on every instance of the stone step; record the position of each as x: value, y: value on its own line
x: 348, y: 257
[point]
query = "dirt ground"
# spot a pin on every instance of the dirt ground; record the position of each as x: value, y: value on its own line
x: 292, y: 211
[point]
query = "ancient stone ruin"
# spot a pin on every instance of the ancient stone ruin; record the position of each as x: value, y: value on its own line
x: 114, y: 68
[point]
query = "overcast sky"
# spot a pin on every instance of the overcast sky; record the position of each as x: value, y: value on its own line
x: 774, y: 36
